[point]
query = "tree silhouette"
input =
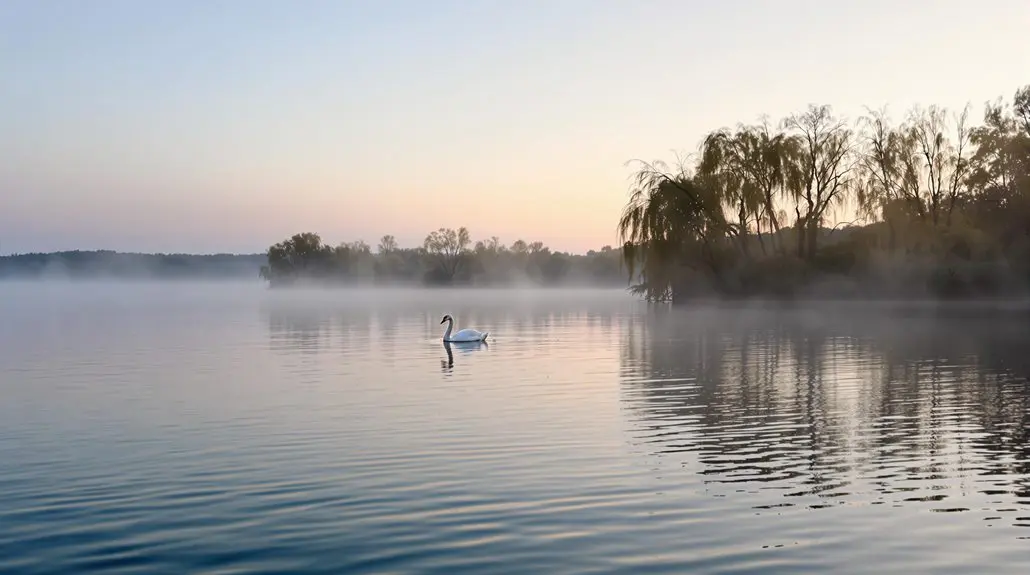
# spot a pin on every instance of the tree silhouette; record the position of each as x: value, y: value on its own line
x: 447, y: 248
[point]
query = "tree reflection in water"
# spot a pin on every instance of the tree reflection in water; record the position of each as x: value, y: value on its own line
x: 840, y: 405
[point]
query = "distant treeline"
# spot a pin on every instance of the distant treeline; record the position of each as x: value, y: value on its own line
x: 446, y: 257
x: 943, y: 209
x: 118, y: 265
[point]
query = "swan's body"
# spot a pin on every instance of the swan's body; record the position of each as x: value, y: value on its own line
x: 465, y: 335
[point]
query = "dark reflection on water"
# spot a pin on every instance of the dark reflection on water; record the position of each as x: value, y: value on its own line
x: 809, y: 409
x: 463, y: 347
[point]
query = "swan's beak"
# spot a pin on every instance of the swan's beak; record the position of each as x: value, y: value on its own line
x: 443, y: 320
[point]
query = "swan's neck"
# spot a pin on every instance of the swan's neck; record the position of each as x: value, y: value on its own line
x: 450, y: 326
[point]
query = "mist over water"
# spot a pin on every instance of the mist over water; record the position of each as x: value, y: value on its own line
x: 203, y: 427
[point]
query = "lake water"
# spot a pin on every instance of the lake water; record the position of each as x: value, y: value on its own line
x: 220, y: 428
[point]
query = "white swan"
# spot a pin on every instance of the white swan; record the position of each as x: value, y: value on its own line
x: 463, y: 335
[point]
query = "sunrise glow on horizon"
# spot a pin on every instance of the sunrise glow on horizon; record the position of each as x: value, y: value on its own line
x: 225, y: 127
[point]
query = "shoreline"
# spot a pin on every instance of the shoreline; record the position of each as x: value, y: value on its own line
x: 700, y: 302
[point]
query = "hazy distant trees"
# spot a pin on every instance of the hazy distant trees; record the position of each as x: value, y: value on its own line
x: 302, y: 254
x: 122, y: 265
x: 446, y: 257
x: 946, y: 207
x: 387, y: 245
x: 447, y: 249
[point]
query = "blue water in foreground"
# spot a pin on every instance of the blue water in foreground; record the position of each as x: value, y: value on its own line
x: 181, y: 428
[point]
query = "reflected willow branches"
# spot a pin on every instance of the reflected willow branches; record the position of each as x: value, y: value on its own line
x: 837, y: 406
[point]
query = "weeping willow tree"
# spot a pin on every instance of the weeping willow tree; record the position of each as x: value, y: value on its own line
x: 750, y: 168
x: 720, y: 170
x: 673, y: 226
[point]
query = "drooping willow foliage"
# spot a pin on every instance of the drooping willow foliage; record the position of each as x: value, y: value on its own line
x: 669, y: 220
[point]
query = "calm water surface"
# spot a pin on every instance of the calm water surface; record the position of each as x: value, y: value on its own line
x: 224, y: 428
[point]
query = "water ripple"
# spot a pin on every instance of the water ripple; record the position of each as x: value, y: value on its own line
x: 332, y: 432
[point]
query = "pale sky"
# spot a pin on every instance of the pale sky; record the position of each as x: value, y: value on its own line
x: 227, y: 125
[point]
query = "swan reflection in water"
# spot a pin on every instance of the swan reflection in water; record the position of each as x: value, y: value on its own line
x: 465, y: 347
